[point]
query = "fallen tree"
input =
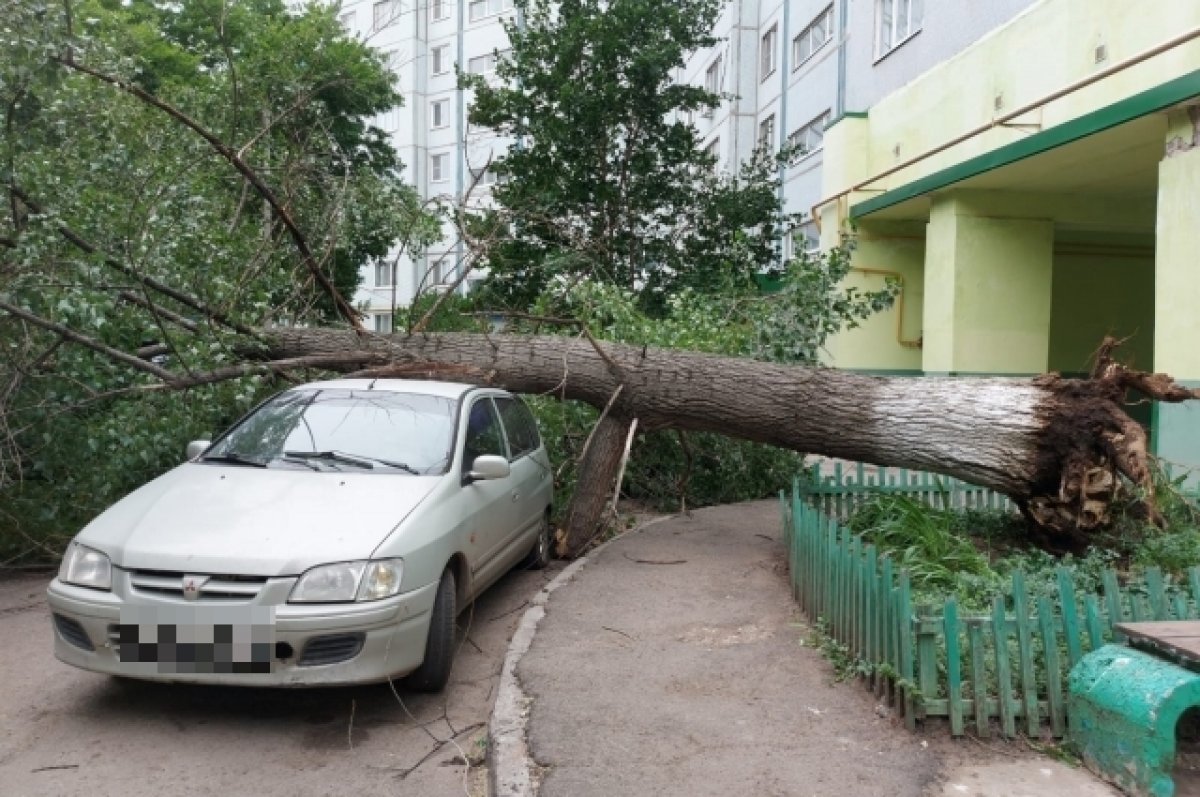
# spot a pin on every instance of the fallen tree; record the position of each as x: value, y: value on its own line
x: 1059, y: 447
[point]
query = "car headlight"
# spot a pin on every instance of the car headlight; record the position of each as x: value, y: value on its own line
x: 85, y: 567
x: 344, y: 582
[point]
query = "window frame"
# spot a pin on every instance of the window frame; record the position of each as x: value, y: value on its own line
x: 439, y: 64
x: 439, y: 10
x: 439, y: 109
x: 766, y: 132
x: 817, y: 124
x: 390, y: 7
x: 437, y: 169
x: 826, y: 17
x: 768, y: 61
x: 503, y: 5
x: 386, y: 272
x: 898, y: 35
x: 382, y: 323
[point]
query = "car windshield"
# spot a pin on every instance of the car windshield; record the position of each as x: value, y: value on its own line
x: 340, y: 429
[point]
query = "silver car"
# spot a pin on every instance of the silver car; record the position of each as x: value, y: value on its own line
x: 330, y: 537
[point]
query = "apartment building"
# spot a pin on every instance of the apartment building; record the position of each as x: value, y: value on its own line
x: 423, y: 41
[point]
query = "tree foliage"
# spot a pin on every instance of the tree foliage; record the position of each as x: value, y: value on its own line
x: 108, y: 199
x: 606, y: 178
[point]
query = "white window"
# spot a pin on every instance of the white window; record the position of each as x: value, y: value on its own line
x: 487, y: 8
x: 440, y: 9
x: 483, y: 177
x: 383, y: 274
x: 437, y: 168
x: 485, y: 64
x: 439, y: 113
x: 712, y: 77
x: 766, y: 53
x: 896, y: 21
x: 766, y: 132
x: 805, y: 239
x: 383, y: 322
x: 347, y: 20
x: 384, y: 13
x: 441, y: 59
x: 812, y: 38
x: 713, y: 150
x: 810, y: 137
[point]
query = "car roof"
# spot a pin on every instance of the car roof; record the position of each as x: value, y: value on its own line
x: 424, y: 387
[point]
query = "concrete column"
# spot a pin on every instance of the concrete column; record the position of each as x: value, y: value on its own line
x: 988, y: 283
x: 1176, y: 427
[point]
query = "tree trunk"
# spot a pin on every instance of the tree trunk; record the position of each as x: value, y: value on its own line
x: 594, y: 484
x: 1056, y: 446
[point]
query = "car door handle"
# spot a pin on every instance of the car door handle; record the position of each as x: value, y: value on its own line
x: 516, y: 497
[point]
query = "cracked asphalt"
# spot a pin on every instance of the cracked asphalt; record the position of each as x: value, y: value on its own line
x: 64, y: 731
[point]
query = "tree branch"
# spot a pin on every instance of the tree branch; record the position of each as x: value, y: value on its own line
x: 251, y: 176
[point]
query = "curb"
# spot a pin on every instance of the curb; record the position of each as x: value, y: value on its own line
x: 510, y: 766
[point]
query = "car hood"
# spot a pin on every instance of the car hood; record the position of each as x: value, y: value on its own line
x: 207, y: 518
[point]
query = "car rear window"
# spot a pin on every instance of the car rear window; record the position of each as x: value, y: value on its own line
x: 519, y: 425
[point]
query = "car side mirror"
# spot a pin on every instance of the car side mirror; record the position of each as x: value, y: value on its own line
x: 487, y: 467
x: 196, y: 448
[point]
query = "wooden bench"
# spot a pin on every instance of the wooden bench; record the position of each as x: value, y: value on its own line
x: 1124, y: 703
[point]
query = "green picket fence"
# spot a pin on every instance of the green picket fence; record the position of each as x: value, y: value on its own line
x: 1008, y: 668
x: 839, y: 493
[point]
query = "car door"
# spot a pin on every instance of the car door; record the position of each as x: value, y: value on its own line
x: 532, y: 481
x: 488, y: 503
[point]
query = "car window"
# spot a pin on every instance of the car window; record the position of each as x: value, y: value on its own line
x: 519, y: 425
x: 410, y: 428
x: 484, y: 435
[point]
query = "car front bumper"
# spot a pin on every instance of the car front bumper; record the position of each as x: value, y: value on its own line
x: 391, y: 635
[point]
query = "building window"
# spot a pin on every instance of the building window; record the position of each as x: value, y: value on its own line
x: 487, y: 8
x: 713, y: 150
x: 383, y: 274
x: 805, y: 239
x: 766, y: 53
x: 766, y: 132
x: 485, y: 64
x: 383, y: 322
x: 440, y: 9
x: 347, y: 20
x: 384, y: 13
x: 391, y: 59
x: 810, y: 137
x: 439, y: 113
x: 812, y: 38
x: 441, y: 59
x: 483, y: 177
x: 712, y: 78
x: 896, y: 21
x: 437, y: 168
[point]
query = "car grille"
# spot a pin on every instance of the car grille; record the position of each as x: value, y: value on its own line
x: 73, y: 632
x: 331, y: 649
x: 216, y: 588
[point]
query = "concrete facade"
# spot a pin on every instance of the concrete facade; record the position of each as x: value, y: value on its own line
x: 1043, y: 181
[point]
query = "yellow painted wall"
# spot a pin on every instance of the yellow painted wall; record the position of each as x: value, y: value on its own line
x: 1050, y: 46
x: 874, y: 345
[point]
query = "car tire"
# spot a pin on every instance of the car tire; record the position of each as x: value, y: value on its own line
x: 434, y: 671
x: 541, y: 553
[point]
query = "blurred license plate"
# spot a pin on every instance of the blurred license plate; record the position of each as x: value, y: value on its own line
x: 197, y: 639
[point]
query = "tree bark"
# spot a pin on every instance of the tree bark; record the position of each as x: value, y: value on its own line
x: 594, y: 485
x: 1056, y: 446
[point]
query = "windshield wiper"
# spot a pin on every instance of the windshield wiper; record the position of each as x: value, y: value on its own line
x: 332, y: 456
x: 234, y: 459
x: 361, y: 460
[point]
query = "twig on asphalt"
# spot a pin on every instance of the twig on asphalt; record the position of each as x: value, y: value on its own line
x: 618, y: 631
x: 350, y: 727
x: 655, y: 561
x: 55, y: 766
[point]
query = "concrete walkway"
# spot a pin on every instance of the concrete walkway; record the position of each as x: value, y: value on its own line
x: 675, y: 663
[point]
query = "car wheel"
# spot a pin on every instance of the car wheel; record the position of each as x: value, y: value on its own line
x: 540, y: 554
x: 433, y: 673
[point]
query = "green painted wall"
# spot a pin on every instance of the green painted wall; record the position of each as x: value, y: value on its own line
x: 874, y: 345
x: 1100, y: 291
x: 987, y: 291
